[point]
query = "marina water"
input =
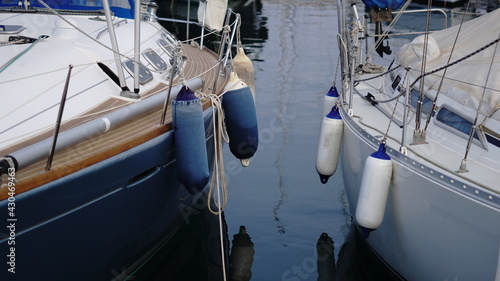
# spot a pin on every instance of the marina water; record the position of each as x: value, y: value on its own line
x: 279, y: 198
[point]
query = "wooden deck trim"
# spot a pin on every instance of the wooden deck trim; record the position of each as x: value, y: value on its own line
x: 35, y: 175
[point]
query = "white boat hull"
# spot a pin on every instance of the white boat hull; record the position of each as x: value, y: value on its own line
x: 433, y: 227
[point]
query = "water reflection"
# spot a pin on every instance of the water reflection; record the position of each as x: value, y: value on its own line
x: 194, y: 252
x: 286, y: 75
x: 325, y: 258
x: 356, y: 261
x: 253, y: 25
x: 241, y: 258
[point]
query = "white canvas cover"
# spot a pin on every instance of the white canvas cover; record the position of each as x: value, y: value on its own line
x: 215, y: 13
x: 464, y: 81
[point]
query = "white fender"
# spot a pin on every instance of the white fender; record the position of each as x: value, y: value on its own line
x: 330, y: 137
x: 374, y: 189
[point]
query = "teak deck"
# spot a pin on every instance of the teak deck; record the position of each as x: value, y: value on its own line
x: 115, y: 141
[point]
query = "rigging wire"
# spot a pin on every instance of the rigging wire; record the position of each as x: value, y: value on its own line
x: 422, y: 70
x: 475, y: 124
x: 449, y: 59
x: 437, y: 69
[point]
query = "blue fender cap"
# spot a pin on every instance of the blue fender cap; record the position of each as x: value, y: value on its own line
x: 333, y: 92
x: 334, y: 113
x: 186, y: 94
x: 380, y: 153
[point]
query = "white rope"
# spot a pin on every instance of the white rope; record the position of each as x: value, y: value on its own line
x: 218, y: 180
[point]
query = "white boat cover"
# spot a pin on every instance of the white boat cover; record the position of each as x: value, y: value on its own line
x: 215, y: 13
x: 464, y: 81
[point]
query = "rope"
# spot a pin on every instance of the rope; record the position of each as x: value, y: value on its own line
x: 390, y: 122
x: 456, y: 61
x: 56, y: 13
x: 13, y: 42
x: 425, y: 157
x: 12, y: 60
x: 422, y: 69
x: 218, y: 180
x: 432, y: 71
x: 336, y: 71
x: 75, y: 27
x: 92, y: 38
x: 377, y: 76
x: 471, y: 135
x: 427, y: 122
x: 220, y: 134
x: 238, y: 33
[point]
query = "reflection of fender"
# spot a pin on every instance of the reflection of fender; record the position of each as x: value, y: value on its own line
x: 326, y: 258
x: 241, y: 258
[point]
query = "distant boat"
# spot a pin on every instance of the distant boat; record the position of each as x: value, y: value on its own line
x: 107, y: 135
x: 420, y: 150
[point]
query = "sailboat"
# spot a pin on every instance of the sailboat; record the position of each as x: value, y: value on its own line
x: 419, y: 141
x: 109, y: 133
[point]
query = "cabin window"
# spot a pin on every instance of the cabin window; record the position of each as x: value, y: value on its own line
x: 455, y: 121
x: 395, y: 83
x: 426, y: 103
x: 144, y: 74
x: 167, y: 43
x: 168, y: 48
x: 154, y: 59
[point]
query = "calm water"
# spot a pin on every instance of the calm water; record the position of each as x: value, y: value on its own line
x: 279, y: 198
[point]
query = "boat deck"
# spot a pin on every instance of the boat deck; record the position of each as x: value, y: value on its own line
x: 124, y: 137
x: 437, y: 153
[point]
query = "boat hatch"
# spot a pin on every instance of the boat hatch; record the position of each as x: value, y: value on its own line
x: 11, y: 29
x: 144, y: 74
x: 154, y: 59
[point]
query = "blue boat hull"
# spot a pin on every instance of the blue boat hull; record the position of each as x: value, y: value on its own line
x: 101, y: 222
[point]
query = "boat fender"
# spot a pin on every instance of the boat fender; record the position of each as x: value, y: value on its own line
x: 244, y: 68
x: 241, y: 121
x: 190, y: 142
x: 330, y: 99
x: 374, y: 190
x: 330, y: 137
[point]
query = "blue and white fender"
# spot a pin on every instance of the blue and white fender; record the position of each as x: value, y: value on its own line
x: 374, y: 190
x: 241, y: 119
x: 330, y: 137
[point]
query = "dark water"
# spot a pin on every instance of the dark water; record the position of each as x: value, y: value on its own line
x: 279, y: 198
